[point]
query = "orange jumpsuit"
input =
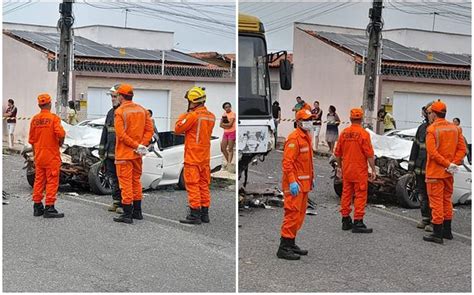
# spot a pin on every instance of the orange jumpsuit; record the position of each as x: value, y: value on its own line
x: 354, y: 147
x: 45, y: 135
x: 133, y: 126
x: 197, y: 127
x: 297, y: 166
x: 444, y: 145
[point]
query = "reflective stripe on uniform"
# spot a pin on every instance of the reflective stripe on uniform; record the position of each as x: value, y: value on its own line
x: 438, y: 130
x: 303, y: 177
x: 125, y: 112
x: 199, y: 126
x: 304, y: 150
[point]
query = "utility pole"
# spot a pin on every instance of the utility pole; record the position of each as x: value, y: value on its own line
x: 434, y: 19
x: 64, y: 58
x: 374, y: 30
x: 126, y: 15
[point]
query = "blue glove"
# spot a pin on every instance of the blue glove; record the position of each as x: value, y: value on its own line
x: 294, y: 188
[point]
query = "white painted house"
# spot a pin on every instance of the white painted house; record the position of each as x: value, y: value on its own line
x: 328, y: 67
x: 101, y: 61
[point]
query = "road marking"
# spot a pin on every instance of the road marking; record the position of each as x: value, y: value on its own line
x: 416, y: 221
x: 145, y: 214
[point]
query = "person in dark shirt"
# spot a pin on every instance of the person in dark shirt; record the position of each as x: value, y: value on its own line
x: 10, y: 113
x: 107, y: 151
x: 276, y: 112
x: 417, y: 165
x: 317, y: 113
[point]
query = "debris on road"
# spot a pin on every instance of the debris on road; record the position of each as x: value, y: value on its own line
x: 380, y: 206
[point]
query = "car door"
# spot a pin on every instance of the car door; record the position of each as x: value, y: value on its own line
x: 152, y: 171
x: 462, y: 183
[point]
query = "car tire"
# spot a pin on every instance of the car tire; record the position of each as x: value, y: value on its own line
x: 31, y: 178
x: 406, y: 192
x: 98, y: 181
x: 181, y: 183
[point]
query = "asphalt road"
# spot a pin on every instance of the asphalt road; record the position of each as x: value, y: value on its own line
x: 392, y: 259
x: 87, y: 252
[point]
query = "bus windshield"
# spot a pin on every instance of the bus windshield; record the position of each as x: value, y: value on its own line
x: 254, y: 90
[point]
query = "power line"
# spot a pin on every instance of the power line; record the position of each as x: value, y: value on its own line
x: 19, y: 7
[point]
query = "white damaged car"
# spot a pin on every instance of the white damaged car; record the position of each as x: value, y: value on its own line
x: 392, y: 152
x: 81, y: 166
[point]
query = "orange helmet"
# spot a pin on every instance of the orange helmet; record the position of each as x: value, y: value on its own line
x: 357, y: 113
x: 438, y: 106
x: 43, y: 99
x: 125, y: 89
x: 303, y: 114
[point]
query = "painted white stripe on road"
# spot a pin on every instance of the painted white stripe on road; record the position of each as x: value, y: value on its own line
x: 145, y: 214
x: 416, y: 221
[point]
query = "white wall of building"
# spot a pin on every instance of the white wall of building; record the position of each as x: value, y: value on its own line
x: 431, y: 41
x: 408, y: 117
x: 115, y: 36
x: 323, y: 73
x: 99, y: 103
x: 218, y: 93
x: 25, y: 75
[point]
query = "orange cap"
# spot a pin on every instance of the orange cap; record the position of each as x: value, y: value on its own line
x: 125, y: 89
x: 438, y: 106
x: 303, y: 114
x: 357, y: 113
x: 43, y: 99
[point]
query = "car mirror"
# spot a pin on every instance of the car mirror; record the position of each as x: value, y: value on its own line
x: 285, y: 74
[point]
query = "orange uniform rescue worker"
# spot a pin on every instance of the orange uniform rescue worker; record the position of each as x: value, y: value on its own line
x: 197, y: 125
x: 46, y: 136
x: 445, y: 149
x: 353, y: 150
x: 297, y: 182
x: 133, y: 131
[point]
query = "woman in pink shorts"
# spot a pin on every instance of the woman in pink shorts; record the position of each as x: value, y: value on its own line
x: 228, y: 140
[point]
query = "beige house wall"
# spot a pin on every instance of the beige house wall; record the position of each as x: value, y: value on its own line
x: 25, y: 75
x: 177, y: 89
x: 323, y: 73
x: 389, y: 87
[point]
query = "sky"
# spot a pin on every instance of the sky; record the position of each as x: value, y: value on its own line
x: 198, y: 26
x: 278, y: 17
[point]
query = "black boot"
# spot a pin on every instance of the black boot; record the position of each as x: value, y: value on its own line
x: 447, y: 234
x: 193, y: 217
x: 205, y: 215
x: 285, y: 251
x: 126, y: 217
x: 436, y: 236
x: 137, y: 210
x: 360, y: 227
x: 38, y: 209
x: 297, y: 249
x: 51, y: 212
x: 346, y: 223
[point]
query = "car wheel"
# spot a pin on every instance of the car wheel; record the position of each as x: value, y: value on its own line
x: 406, y: 192
x: 181, y: 183
x: 99, y: 183
x: 31, y: 178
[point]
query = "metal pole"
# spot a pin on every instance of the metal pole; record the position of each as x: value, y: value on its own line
x: 64, y: 57
x: 373, y: 53
x: 434, y: 19
x: 126, y: 15
x: 162, y: 62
